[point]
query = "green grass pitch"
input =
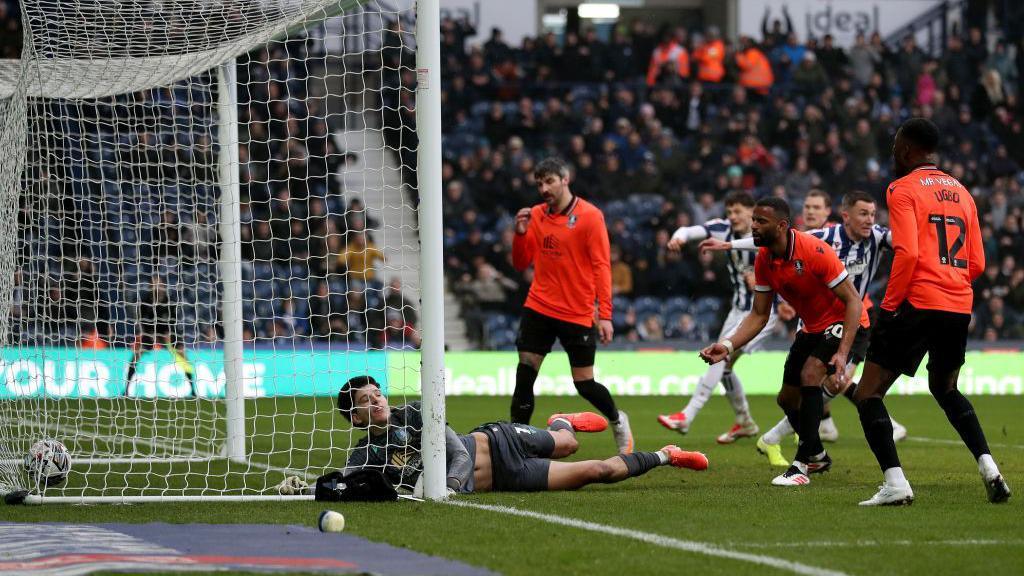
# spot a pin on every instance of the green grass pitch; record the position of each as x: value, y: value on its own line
x: 950, y: 529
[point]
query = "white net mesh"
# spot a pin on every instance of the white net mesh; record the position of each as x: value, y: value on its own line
x: 111, y: 219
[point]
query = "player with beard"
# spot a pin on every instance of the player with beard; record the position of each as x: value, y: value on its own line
x: 806, y: 273
x: 927, y: 307
x: 566, y: 240
x: 858, y: 242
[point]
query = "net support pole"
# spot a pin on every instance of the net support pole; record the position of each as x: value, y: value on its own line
x: 231, y: 259
x: 428, y: 175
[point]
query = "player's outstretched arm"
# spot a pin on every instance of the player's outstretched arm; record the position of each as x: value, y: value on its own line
x: 751, y: 326
x: 686, y: 234
x: 716, y: 245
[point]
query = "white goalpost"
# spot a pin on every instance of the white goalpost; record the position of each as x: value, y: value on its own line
x: 213, y: 213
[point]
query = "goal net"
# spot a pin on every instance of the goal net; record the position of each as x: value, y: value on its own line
x: 208, y: 223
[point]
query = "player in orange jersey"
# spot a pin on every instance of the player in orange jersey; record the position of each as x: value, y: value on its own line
x: 566, y: 240
x: 808, y: 274
x: 927, y: 307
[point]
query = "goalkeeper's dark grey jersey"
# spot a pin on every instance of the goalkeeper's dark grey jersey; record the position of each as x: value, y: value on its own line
x: 397, y: 452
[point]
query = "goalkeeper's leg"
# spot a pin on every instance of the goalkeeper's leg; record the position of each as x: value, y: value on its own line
x: 573, y: 475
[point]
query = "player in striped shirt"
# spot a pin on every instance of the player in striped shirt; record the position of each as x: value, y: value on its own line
x: 858, y: 242
x: 739, y: 209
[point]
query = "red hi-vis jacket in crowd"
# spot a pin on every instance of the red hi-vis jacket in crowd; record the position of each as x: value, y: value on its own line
x: 572, y: 265
x: 936, y: 239
x: 666, y: 53
x: 755, y: 70
x: 805, y: 278
x: 711, y: 61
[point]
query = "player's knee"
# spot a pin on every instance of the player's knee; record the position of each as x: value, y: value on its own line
x: 812, y: 374
x: 788, y: 401
x: 940, y: 387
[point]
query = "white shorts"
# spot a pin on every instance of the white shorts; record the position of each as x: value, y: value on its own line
x: 732, y: 322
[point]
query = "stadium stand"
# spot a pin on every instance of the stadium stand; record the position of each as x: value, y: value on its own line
x: 651, y: 143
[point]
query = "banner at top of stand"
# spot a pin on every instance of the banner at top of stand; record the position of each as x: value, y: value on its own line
x: 840, y: 18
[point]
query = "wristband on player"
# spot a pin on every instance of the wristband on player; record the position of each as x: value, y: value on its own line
x: 728, y: 345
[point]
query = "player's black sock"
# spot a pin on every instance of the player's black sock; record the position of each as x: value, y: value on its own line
x: 850, y: 391
x: 961, y: 415
x: 522, y: 398
x: 561, y: 424
x: 639, y: 463
x: 878, y: 431
x: 599, y: 396
x: 811, y: 403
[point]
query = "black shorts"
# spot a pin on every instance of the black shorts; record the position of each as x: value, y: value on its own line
x: 821, y: 345
x: 537, y: 334
x: 520, y: 456
x: 902, y: 338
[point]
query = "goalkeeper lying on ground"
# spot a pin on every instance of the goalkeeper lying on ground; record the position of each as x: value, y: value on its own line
x: 497, y: 456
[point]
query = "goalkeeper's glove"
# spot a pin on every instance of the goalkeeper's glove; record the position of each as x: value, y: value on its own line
x: 293, y: 486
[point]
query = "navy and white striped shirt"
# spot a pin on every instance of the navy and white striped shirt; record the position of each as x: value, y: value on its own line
x: 861, y: 258
x: 741, y: 263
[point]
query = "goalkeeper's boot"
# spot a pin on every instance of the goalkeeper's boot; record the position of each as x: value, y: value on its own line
x: 682, y: 459
x: 998, y: 490
x: 827, y: 430
x: 678, y: 422
x: 796, y: 475
x: 746, y: 429
x: 899, y: 431
x: 891, y: 496
x: 773, y: 452
x: 582, y: 421
x: 623, y: 434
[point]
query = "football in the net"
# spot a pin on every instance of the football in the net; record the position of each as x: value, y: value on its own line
x: 48, y: 463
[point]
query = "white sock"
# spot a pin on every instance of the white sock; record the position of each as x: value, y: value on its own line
x: 894, y: 477
x: 800, y: 466
x: 707, y: 385
x: 987, y: 467
x: 778, y: 432
x: 738, y: 399
x: 663, y: 458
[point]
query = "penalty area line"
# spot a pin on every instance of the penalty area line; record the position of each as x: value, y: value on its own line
x: 703, y: 548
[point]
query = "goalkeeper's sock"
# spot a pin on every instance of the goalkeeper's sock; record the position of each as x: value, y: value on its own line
x: 561, y: 424
x: 705, y: 388
x: 522, y: 398
x: 639, y: 463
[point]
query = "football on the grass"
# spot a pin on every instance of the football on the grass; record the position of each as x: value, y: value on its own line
x: 48, y: 463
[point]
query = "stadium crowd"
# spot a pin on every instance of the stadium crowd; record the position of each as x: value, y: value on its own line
x: 661, y: 124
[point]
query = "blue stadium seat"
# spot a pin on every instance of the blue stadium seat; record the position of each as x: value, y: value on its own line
x: 646, y: 305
